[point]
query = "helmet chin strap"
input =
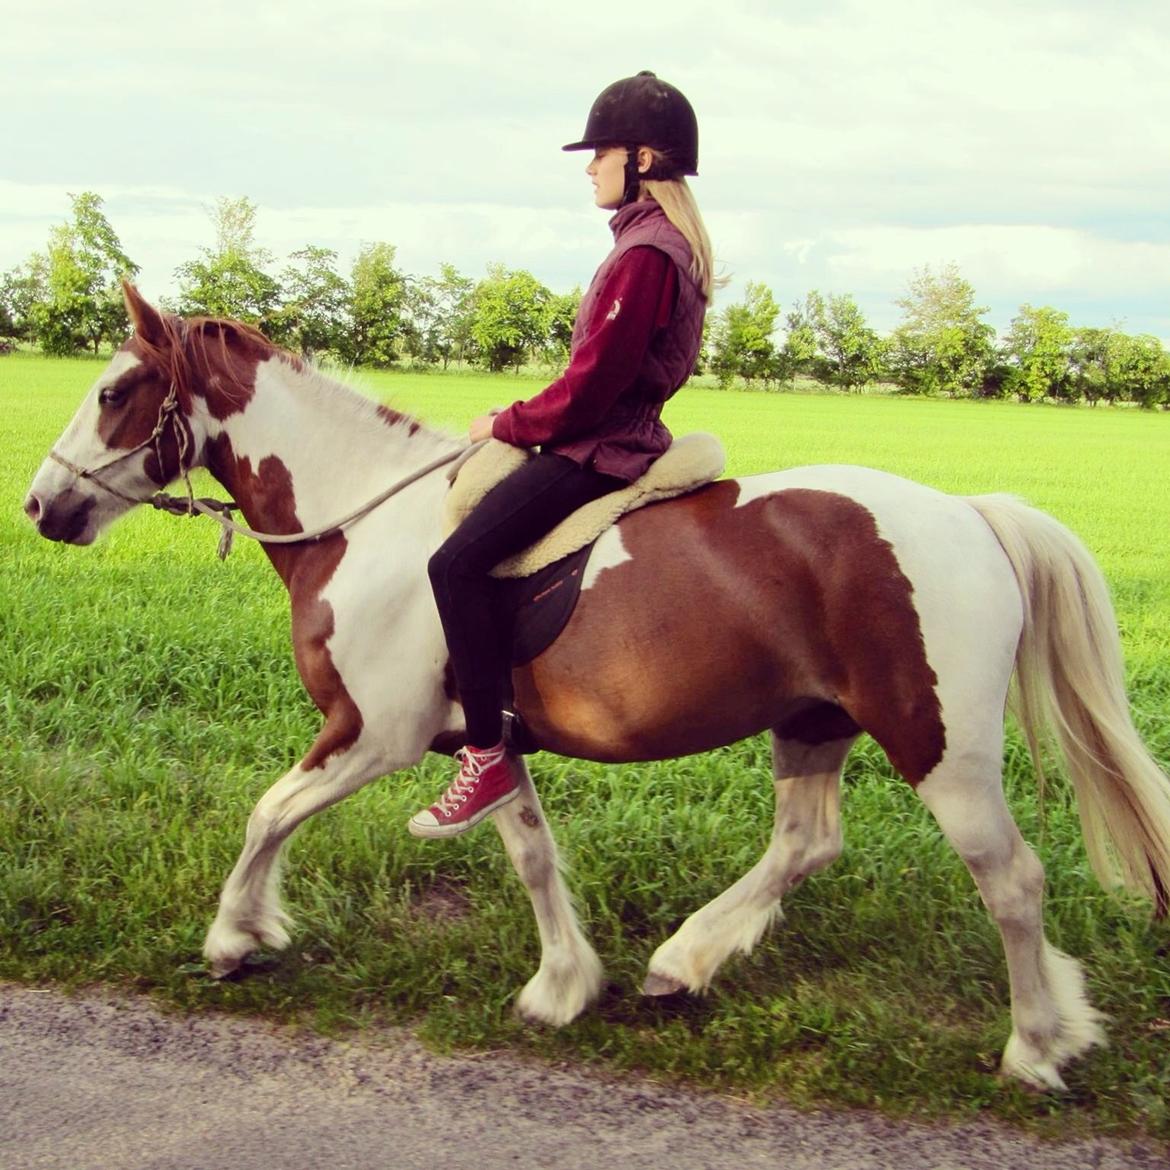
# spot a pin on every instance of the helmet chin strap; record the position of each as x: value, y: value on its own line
x: 633, y: 178
x: 658, y: 169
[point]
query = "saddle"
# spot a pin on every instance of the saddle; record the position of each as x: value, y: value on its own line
x: 539, y: 586
x: 688, y: 463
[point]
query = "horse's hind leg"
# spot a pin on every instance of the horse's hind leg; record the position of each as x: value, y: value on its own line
x: 250, y: 914
x: 806, y: 837
x: 1052, y: 1021
x: 569, y: 976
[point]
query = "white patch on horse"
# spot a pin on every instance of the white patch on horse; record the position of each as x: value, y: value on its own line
x: 608, y: 553
x: 612, y: 315
x: 385, y: 627
x: 82, y: 436
x: 341, y: 466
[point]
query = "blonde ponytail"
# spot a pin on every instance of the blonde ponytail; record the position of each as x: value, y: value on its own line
x: 676, y: 199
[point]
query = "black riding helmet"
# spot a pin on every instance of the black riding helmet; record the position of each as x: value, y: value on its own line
x: 644, y: 111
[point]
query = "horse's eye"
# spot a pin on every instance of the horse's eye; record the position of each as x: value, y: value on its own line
x: 112, y: 396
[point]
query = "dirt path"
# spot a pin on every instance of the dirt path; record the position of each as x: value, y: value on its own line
x: 113, y: 1083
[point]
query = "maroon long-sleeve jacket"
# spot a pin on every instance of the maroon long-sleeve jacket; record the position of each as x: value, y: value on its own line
x: 635, y: 342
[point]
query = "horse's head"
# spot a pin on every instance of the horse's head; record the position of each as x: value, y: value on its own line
x: 143, y: 423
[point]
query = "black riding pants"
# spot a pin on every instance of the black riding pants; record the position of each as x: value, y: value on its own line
x: 516, y: 512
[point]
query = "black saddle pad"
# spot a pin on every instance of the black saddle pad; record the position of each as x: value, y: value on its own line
x: 539, y: 607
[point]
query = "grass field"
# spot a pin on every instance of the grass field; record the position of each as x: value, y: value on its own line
x: 149, y: 697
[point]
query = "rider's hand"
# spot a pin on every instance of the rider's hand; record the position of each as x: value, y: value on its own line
x: 481, y: 428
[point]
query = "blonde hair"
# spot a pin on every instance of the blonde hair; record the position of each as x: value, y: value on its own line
x: 675, y: 198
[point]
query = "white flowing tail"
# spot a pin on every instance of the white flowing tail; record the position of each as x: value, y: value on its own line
x: 1070, y: 683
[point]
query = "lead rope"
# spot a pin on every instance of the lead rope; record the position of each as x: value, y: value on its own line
x: 221, y: 512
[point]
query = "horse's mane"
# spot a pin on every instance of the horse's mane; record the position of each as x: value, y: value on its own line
x: 192, y: 347
x: 195, y: 347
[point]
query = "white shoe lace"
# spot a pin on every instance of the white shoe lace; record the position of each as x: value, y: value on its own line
x: 471, y: 766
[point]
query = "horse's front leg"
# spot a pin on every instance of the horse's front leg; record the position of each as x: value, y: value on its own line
x: 250, y: 913
x: 569, y: 977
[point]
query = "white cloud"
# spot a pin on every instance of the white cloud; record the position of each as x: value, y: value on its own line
x: 1000, y: 259
x: 840, y: 139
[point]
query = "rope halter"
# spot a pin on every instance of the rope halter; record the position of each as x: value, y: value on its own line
x: 169, y: 416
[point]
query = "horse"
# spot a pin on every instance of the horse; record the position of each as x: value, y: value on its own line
x: 814, y: 603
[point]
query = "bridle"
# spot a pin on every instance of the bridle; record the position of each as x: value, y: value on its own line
x: 170, y: 416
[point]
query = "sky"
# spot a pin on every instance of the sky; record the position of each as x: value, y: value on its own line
x: 844, y: 145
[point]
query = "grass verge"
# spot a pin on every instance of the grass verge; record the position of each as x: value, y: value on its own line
x: 148, y: 698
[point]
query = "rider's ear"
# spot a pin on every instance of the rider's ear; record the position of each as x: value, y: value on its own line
x: 145, y: 318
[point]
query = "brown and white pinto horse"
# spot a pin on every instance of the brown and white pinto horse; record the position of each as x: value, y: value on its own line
x: 815, y: 603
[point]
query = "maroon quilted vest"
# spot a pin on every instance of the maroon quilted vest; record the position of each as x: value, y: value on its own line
x: 632, y: 435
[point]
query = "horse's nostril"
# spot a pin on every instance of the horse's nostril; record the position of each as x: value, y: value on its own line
x: 32, y: 507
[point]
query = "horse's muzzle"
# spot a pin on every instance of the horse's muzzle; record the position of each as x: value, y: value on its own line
x: 64, y: 517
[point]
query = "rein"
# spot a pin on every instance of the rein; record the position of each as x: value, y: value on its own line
x: 221, y: 511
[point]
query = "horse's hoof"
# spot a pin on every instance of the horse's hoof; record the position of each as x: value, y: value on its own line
x: 662, y: 985
x: 222, y: 968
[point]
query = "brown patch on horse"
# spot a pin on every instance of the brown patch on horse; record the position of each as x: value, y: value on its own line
x: 393, y: 418
x: 313, y: 626
x: 267, y: 498
x: 210, y: 357
x: 266, y: 495
x: 790, y: 612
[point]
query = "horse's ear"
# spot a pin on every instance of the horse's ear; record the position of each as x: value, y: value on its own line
x: 145, y: 318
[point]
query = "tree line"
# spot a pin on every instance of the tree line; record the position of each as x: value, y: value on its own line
x: 67, y: 299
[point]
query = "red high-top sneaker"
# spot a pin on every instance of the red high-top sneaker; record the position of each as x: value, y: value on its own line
x: 487, y: 780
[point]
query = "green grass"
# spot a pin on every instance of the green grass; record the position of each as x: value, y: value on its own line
x: 148, y: 698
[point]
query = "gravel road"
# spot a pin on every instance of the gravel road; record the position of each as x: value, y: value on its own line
x: 102, y: 1081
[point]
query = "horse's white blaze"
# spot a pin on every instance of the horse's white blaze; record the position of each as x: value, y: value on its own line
x: 608, y: 553
x: 81, y: 442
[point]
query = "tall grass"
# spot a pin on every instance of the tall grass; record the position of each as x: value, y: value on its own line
x: 148, y: 698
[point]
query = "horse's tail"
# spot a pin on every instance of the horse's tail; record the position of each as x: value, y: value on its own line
x: 1070, y: 684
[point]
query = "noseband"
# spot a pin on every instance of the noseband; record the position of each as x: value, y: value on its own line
x: 169, y: 417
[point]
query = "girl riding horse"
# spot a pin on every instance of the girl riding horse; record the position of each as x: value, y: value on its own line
x: 598, y: 426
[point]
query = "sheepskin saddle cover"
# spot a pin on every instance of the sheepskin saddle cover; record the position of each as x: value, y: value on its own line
x: 690, y: 461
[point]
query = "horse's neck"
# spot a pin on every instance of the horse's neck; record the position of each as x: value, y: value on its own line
x: 306, y: 450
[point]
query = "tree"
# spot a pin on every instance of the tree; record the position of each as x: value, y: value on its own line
x: 230, y: 280
x: 1140, y: 369
x: 1038, y: 354
x: 420, y: 310
x: 741, y: 340
x: 454, y: 313
x: 942, y: 346
x: 797, y: 353
x: 438, y: 316
x: 849, y: 353
x: 1089, y: 352
x: 22, y: 289
x: 560, y: 317
x: 82, y: 304
x: 511, y: 313
x: 313, y: 316
x: 378, y: 293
